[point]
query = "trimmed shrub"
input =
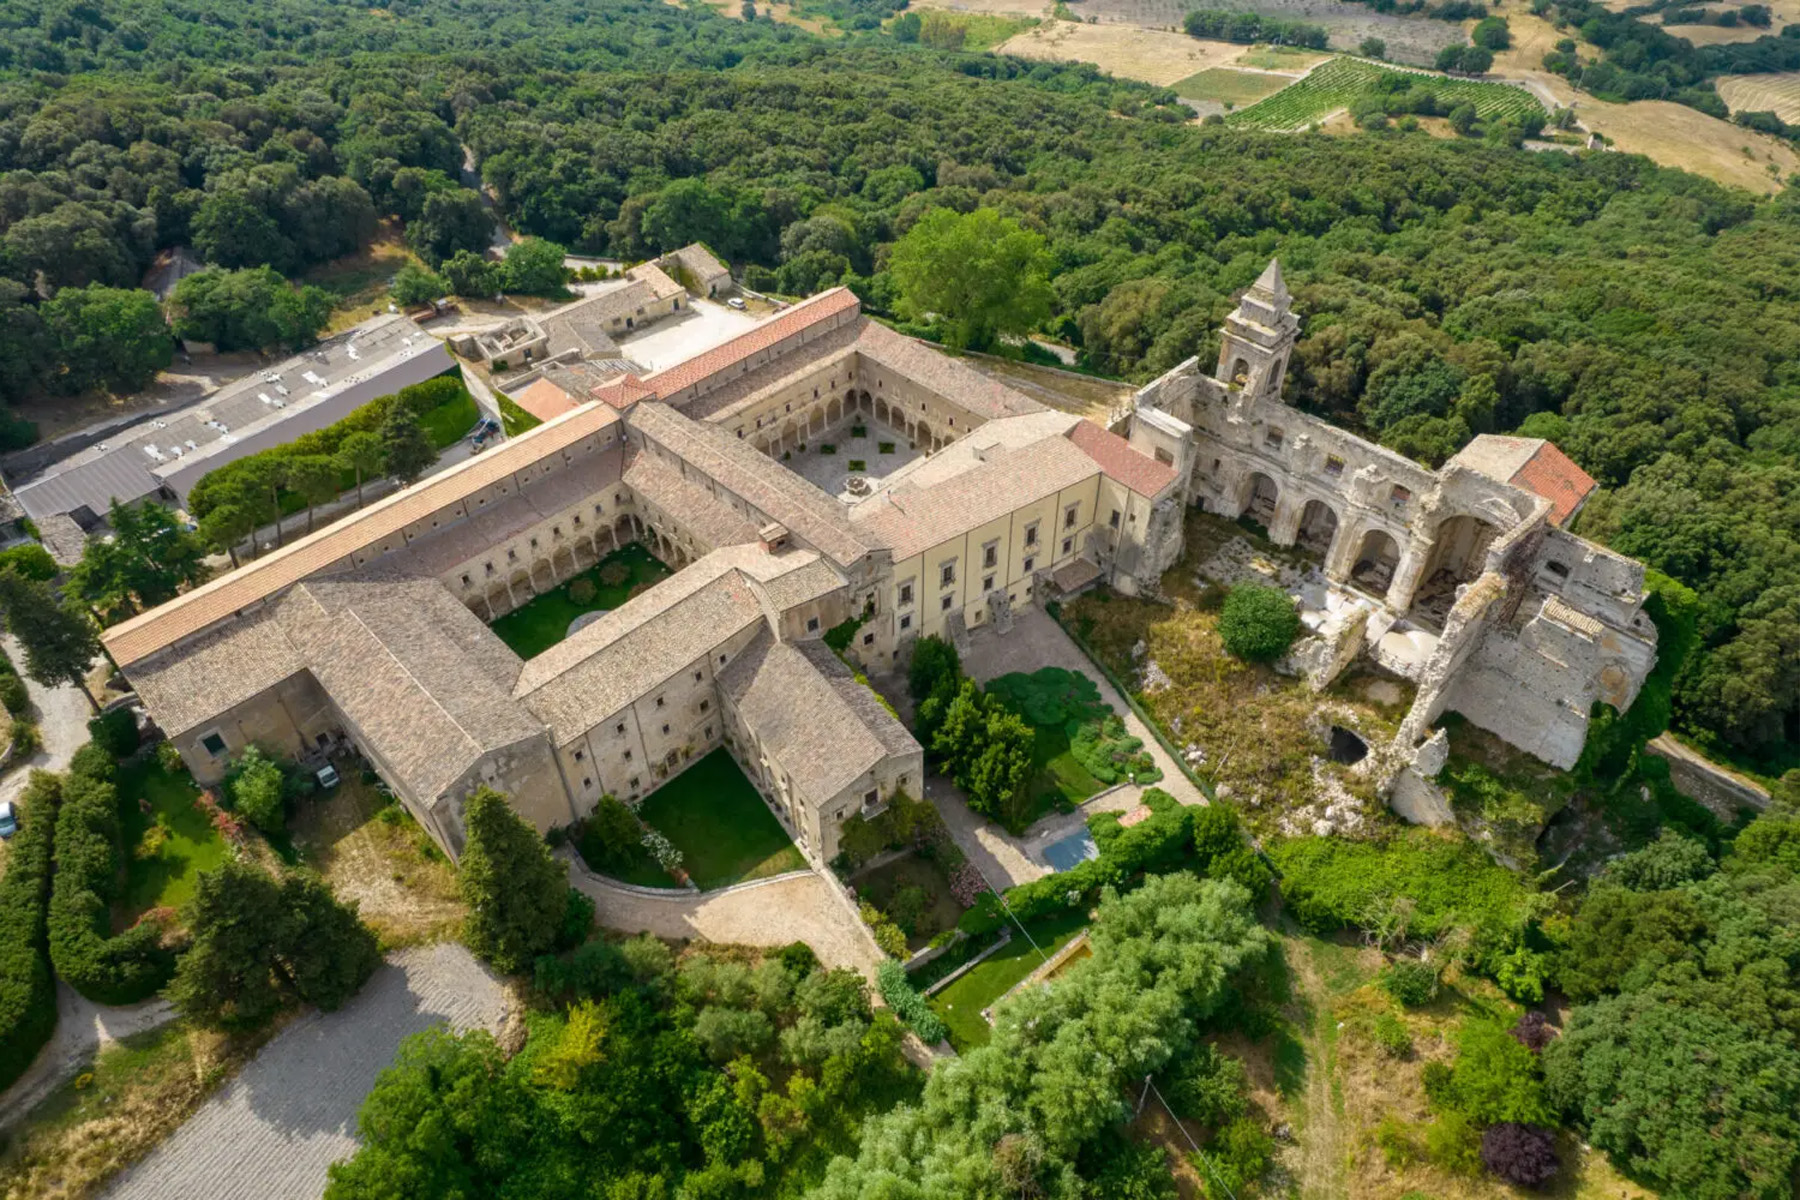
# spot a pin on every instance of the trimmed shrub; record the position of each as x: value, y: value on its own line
x: 908, y: 1005
x: 105, y: 969
x: 612, y: 574
x: 14, y: 696
x: 1523, y: 1155
x: 583, y: 590
x: 1258, y: 623
x: 611, y: 838
x: 27, y: 990
x: 32, y: 561
x: 115, y: 732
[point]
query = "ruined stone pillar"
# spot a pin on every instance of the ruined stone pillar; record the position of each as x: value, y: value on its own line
x: 1340, y: 560
x: 1284, y: 527
x: 1406, y: 575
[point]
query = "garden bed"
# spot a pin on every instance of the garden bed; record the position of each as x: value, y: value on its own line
x: 169, y: 839
x: 543, y: 621
x: 717, y: 819
x: 914, y: 892
x: 961, y: 1003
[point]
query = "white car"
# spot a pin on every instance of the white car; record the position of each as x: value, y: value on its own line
x: 9, y: 820
x: 736, y: 302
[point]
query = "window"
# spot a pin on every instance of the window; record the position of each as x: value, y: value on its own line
x: 1070, y: 514
x: 619, y: 728
x: 490, y: 568
x: 634, y: 783
x: 512, y: 555
x: 906, y: 592
x: 696, y: 677
x: 990, y: 554
x: 1114, y: 519
x: 872, y: 797
x: 587, y: 782
x: 1028, y: 563
x: 1031, y: 534
x: 721, y: 660
x: 947, y: 574
x: 556, y: 531
x: 1068, y: 545
x: 949, y: 603
x: 1334, y: 466
x: 577, y: 519
x: 598, y: 510
x: 1273, y: 438
x: 868, y: 639
x: 465, y: 580
x: 628, y: 759
x: 659, y: 702
x: 213, y: 744
x: 1400, y: 495
x: 1164, y: 457
x: 708, y: 731
x: 580, y: 755
x: 665, y: 727
x: 987, y: 583
x: 812, y: 624
x: 905, y: 623
x: 705, y: 704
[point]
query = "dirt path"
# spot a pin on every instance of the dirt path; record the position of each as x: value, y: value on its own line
x: 1320, y: 1159
x: 61, y: 713
x: 271, y: 1132
x: 83, y: 1029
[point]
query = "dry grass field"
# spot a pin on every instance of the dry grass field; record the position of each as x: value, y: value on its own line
x: 998, y: 8
x: 1151, y: 55
x: 1779, y: 94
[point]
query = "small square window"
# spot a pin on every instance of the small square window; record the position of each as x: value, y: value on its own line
x: 871, y: 796
x: 1273, y: 438
x: 1031, y: 534
x: 868, y: 639
x: 812, y: 624
x: 634, y: 783
x: 906, y: 622
x: 588, y: 782
x: 619, y: 728
x: 721, y: 659
x: 665, y: 727
x: 1400, y: 495
x: 708, y: 731
x: 1028, y: 563
x: 580, y: 755
x: 1334, y: 465
x: 990, y: 555
x: 906, y: 593
x: 949, y: 603
x: 512, y: 555
x: 628, y: 759
x: 696, y: 677
x: 947, y: 575
x: 1069, y: 517
x: 1114, y: 519
x: 465, y: 580
x: 213, y: 744
x: 534, y: 543
x: 987, y: 583
x: 659, y: 702
x: 1068, y: 545
x: 705, y: 704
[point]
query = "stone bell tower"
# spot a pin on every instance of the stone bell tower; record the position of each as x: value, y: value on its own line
x: 1258, y: 338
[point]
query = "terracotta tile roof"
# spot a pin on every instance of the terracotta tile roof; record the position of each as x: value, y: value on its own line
x: 738, y: 467
x: 793, y: 365
x: 623, y: 392
x: 910, y: 520
x: 546, y: 400
x: 780, y: 327
x: 215, y: 673
x: 1118, y: 461
x: 1554, y: 476
x: 219, y: 599
x: 932, y: 369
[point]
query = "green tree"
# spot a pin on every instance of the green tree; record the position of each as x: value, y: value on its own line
x: 404, y: 447
x: 258, y: 790
x: 227, y: 525
x: 534, y: 267
x: 250, y: 309
x: 979, y: 273
x: 470, y: 273
x: 59, y: 637
x: 414, y: 284
x: 315, y: 477
x: 995, y: 778
x: 264, y: 476
x: 327, y: 951
x: 232, y: 230
x: 111, y: 338
x: 361, y: 454
x: 148, y: 559
x: 1258, y: 623
x: 934, y: 659
x: 230, y: 975
x: 1491, y: 33
x: 450, y: 221
x: 517, y: 894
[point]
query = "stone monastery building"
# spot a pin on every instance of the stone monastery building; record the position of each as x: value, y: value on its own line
x: 375, y: 630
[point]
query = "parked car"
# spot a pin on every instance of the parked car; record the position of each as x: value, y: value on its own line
x: 327, y: 776
x: 9, y: 820
x: 736, y: 302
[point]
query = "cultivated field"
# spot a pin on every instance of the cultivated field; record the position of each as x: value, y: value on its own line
x: 1333, y: 86
x: 1225, y: 86
x: 1779, y: 94
x: 1152, y: 55
x: 1409, y: 39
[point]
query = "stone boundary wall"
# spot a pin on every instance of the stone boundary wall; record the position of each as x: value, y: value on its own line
x: 1722, y: 790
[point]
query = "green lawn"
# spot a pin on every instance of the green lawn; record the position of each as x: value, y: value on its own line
x: 1059, y: 782
x: 189, y: 843
x: 1236, y: 88
x: 539, y: 624
x: 446, y: 424
x: 718, y: 821
x: 961, y: 1003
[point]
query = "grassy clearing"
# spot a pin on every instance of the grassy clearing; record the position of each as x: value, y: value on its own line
x: 446, y: 424
x: 1334, y: 85
x: 1234, y: 89
x: 1779, y: 94
x: 1059, y: 782
x: 371, y: 851
x: 543, y: 621
x: 725, y: 833
x: 961, y: 1003
x: 134, y: 1095
x: 358, y: 283
x: 169, y: 840
x: 1280, y: 58
x: 1127, y: 50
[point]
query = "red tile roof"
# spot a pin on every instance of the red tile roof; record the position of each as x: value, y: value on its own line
x: 1118, y: 461
x: 1554, y: 476
x: 785, y: 324
x: 623, y: 392
x: 544, y: 400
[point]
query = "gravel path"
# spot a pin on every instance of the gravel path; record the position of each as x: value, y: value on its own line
x: 61, y: 713
x: 83, y: 1028
x: 271, y: 1132
x: 799, y: 907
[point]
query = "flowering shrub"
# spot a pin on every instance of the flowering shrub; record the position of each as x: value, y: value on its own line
x: 966, y: 884
x: 662, y: 850
x: 229, y: 826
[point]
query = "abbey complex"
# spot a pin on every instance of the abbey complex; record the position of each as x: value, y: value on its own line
x: 375, y: 631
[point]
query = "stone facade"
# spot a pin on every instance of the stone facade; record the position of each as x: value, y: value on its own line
x: 1492, y: 609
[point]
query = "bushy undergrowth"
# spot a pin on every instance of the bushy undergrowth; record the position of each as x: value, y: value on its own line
x: 908, y: 1004
x: 27, y: 990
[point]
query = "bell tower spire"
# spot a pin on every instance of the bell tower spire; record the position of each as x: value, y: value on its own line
x: 1258, y: 338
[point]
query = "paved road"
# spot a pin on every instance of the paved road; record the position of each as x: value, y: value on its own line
x: 62, y: 714
x: 790, y: 908
x: 271, y: 1133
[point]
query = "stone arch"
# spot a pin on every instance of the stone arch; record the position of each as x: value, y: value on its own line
x: 862, y: 398
x: 1376, y: 560
x: 1240, y: 372
x: 881, y: 410
x: 1318, y: 527
x: 562, y: 562
x: 1458, y: 550
x: 1261, y: 496
x: 834, y: 410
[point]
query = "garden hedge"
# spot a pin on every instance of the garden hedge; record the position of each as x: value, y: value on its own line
x: 104, y: 968
x: 27, y: 989
x: 908, y: 1005
x: 1151, y: 845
